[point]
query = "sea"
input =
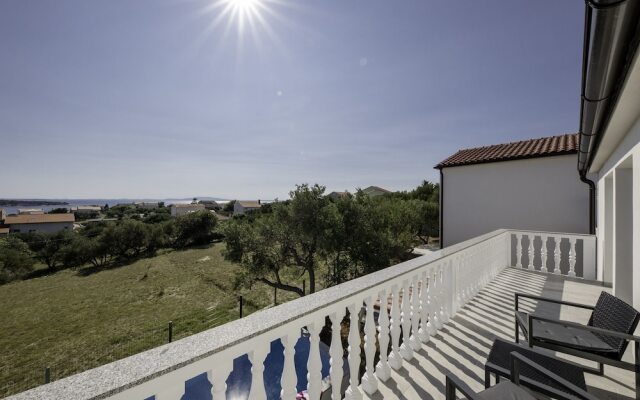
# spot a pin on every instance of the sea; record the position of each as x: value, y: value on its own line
x: 94, y: 202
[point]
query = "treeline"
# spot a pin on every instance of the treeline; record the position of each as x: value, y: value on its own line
x: 101, y: 244
x: 352, y: 235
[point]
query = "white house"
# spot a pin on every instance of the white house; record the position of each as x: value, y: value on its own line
x: 86, y: 209
x: 182, y: 209
x: 530, y: 184
x: 242, y: 207
x: 45, y: 223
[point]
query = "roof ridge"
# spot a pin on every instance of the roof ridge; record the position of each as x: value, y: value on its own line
x: 544, y: 146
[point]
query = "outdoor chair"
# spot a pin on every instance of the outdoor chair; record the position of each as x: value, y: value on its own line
x: 603, y: 339
x: 511, y: 389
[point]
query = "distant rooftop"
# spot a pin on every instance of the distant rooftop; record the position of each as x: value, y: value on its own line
x: 547, y: 146
x: 38, y: 218
x: 250, y: 203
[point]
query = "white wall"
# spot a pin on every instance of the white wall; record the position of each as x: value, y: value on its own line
x: 50, y: 227
x: 543, y: 194
x: 619, y: 217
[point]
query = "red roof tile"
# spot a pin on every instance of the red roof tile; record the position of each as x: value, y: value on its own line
x: 548, y: 146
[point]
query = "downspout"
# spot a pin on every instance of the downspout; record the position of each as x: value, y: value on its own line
x: 441, y: 208
x: 610, y: 39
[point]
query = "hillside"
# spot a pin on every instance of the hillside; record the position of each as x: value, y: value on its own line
x: 75, y: 320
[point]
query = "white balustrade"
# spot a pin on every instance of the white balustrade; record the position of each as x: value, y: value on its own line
x: 369, y: 380
x: 405, y: 349
x: 353, y: 391
x: 518, y: 250
x: 314, y: 364
x: 383, y: 370
x: 531, y: 253
x: 543, y: 253
x: 414, y: 341
x: 587, y: 254
x: 415, y: 298
x: 289, y: 378
x: 556, y: 255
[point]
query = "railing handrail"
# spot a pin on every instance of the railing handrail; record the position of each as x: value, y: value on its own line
x: 113, y: 378
x: 563, y: 234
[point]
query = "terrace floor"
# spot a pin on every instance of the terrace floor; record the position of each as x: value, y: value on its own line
x: 463, y: 344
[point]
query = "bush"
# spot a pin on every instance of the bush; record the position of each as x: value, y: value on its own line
x: 195, y: 228
x: 16, y: 260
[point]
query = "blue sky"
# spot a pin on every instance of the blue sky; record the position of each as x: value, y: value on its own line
x: 151, y: 98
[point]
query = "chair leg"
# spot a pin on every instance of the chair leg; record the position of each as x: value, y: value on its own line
x: 487, y: 379
x: 517, y: 332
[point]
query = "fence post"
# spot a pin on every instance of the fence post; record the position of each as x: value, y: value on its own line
x: 47, y: 375
x: 241, y: 301
x: 170, y: 331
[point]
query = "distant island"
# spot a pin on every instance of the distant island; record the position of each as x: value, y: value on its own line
x: 14, y: 203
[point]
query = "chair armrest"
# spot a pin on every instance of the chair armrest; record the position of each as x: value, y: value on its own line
x: 453, y: 383
x: 593, y: 329
x: 517, y: 359
x: 550, y: 300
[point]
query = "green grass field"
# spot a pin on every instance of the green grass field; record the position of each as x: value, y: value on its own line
x: 75, y: 320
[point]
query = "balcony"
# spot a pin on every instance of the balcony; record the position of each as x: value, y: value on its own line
x: 437, y: 313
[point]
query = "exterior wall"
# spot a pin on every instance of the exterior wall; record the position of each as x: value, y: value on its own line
x: 618, y: 188
x: 543, y: 194
x: 239, y: 209
x: 50, y: 227
x: 178, y: 211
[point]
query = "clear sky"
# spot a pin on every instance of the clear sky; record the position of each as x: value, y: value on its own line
x: 178, y: 98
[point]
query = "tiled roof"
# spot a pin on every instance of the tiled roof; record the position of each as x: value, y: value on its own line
x: 38, y: 218
x: 547, y: 146
x: 250, y: 203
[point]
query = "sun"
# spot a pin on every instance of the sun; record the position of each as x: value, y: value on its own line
x: 251, y: 18
x: 244, y: 5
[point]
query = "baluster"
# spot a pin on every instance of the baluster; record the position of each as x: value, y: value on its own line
x: 336, y: 354
x: 434, y: 316
x: 415, y: 315
x: 171, y: 393
x: 218, y: 378
x: 518, y: 250
x: 369, y: 380
x: 431, y: 305
x: 395, y: 361
x: 353, y: 391
x: 445, y: 292
x: 572, y: 257
x: 405, y: 349
x: 441, y: 294
x: 257, y: 356
x: 289, y: 378
x: 531, y: 252
x: 314, y: 364
x: 556, y: 255
x: 423, y: 332
x: 543, y: 253
x: 383, y: 371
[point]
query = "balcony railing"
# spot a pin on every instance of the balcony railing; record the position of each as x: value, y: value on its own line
x: 402, y: 306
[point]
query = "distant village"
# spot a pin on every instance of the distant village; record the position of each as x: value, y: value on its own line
x: 37, y: 220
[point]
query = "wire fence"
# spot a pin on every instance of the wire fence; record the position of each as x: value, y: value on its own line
x: 23, y: 368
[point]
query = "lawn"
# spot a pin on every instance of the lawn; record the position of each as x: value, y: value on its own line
x: 75, y: 320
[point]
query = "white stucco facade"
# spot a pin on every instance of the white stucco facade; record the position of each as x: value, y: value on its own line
x: 543, y: 193
x: 617, y: 166
x: 47, y: 227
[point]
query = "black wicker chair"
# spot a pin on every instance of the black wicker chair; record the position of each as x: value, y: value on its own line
x: 604, y: 339
x: 512, y: 389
